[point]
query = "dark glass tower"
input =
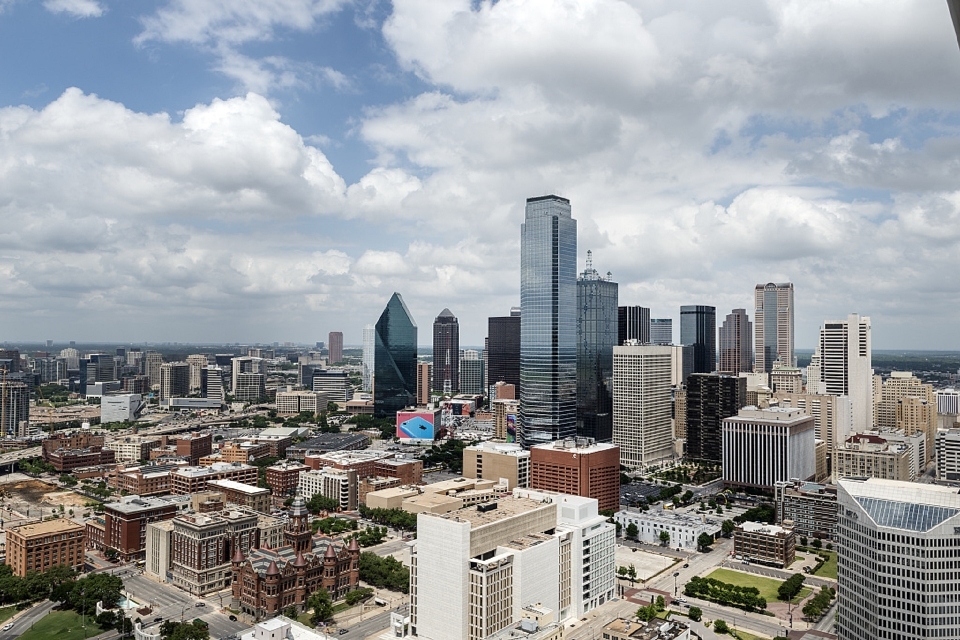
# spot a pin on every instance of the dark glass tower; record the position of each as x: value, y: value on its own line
x: 446, y: 353
x: 698, y: 327
x: 395, y: 359
x: 548, y: 322
x: 633, y: 323
x: 736, y: 343
x: 596, y: 337
x: 503, y: 349
x: 711, y: 397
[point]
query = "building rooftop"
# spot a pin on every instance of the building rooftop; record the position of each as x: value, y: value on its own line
x: 233, y: 485
x: 215, y: 468
x: 59, y: 525
x: 352, y: 457
x: 772, y: 414
x: 764, y: 528
x: 333, y: 442
x: 457, y: 485
x: 135, y: 504
x: 283, y: 432
x: 394, y: 492
x: 577, y: 445
x: 671, y: 517
x: 282, y: 628
x: 483, y: 515
x: 655, y: 629
x: 502, y: 448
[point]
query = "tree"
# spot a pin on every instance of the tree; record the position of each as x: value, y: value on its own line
x: 320, y: 502
x: 704, y: 540
x: 829, y: 546
x: 721, y: 627
x: 196, y: 630
x: 321, y: 604
x: 727, y: 528
x: 817, y: 543
x: 632, y: 531
x: 790, y: 587
x: 661, y: 604
x: 695, y: 614
x: 664, y: 537
x: 647, y: 613
x: 803, y: 541
x: 632, y: 572
x: 622, y: 572
x: 386, y: 572
x: 687, y: 496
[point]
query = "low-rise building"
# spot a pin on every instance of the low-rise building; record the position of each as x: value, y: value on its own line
x: 683, y: 528
x: 282, y: 628
x: 187, y: 480
x: 656, y: 629
x: 69, y: 452
x: 134, y: 448
x: 810, y: 506
x: 125, y: 522
x: 391, y: 498
x: 336, y: 484
x: 493, y: 461
x: 284, y: 477
x: 406, y: 470
x: 291, y: 403
x: 244, y: 452
x: 363, y: 462
x: 369, y: 485
x: 326, y: 443
x: 146, y: 480
x: 194, y: 446
x: 243, y: 495
x: 765, y: 543
x: 870, y: 456
x: 42, y: 545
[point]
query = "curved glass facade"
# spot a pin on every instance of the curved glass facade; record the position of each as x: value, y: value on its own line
x: 548, y: 322
x: 395, y: 359
x: 597, y: 335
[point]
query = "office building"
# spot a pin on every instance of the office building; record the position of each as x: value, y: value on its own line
x: 680, y: 413
x: 548, y: 322
x: 661, y: 331
x: 158, y: 563
x: 493, y: 461
x: 214, y: 389
x: 786, y: 380
x: 15, y: 408
x: 900, y: 385
x: 681, y: 364
x: 897, y: 544
x: 948, y: 455
x: 251, y: 387
x: 120, y: 408
x: 395, y: 359
x: 187, y: 480
x: 844, y: 352
x: 502, y: 391
x: 42, y: 545
x: 811, y: 507
x: 633, y: 323
x: 125, y: 523
x: 446, y: 353
x: 505, y: 419
x: 335, y: 347
x: 368, y: 357
x: 597, y: 327
x: 151, y: 366
x: 291, y: 403
x: 684, y: 528
x: 711, y: 397
x: 134, y: 448
x: 423, y: 383
x: 948, y: 401
x: 471, y: 373
x: 642, y: 404
x: 765, y: 543
x: 503, y: 349
x: 69, y: 452
x: 578, y: 467
x: 336, y: 484
x: 198, y: 365
x: 243, y: 365
x: 194, y: 446
x: 202, y: 545
x: 764, y: 446
x: 698, y: 328
x: 773, y: 316
x: 331, y: 385
x: 736, y: 343
x: 473, y: 571
x: 873, y: 456
x: 284, y: 477
x: 832, y: 415
x: 242, y: 495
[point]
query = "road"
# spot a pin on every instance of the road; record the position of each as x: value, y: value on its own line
x: 23, y: 623
x: 373, y: 624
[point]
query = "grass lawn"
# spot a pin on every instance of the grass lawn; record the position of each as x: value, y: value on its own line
x: 767, y: 586
x: 6, y: 613
x: 62, y: 625
x: 829, y: 568
x: 743, y: 635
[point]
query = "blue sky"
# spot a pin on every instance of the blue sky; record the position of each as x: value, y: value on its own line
x: 195, y: 170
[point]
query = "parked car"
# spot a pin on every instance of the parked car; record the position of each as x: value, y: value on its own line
x: 201, y: 604
x: 233, y: 618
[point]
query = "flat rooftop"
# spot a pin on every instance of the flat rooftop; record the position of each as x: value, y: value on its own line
x: 506, y: 508
x: 233, y: 485
x: 59, y: 525
x: 577, y: 445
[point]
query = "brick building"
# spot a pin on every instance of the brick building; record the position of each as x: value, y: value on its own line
x: 69, y: 452
x: 187, y: 480
x: 268, y: 581
x: 283, y: 477
x: 202, y: 545
x: 243, y: 495
x: 39, y: 546
x: 244, y: 452
x: 125, y: 523
x: 765, y: 543
x: 194, y: 446
x: 579, y: 467
x: 407, y: 470
x: 153, y: 480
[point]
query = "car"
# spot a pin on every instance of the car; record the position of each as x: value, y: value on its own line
x: 233, y: 618
x: 342, y: 631
x: 158, y: 619
x: 201, y: 604
x: 686, y: 566
x: 8, y: 626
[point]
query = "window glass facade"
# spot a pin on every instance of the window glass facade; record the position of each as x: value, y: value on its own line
x: 395, y: 359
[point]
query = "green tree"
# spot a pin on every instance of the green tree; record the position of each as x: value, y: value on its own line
x: 803, y: 541
x: 632, y: 572
x: 817, y: 543
x: 196, y: 630
x: 704, y: 540
x: 291, y: 612
x: 664, y: 537
x: 320, y: 502
x: 661, y: 604
x: 790, y: 587
x: 632, y: 531
x: 727, y: 528
x: 622, y: 572
x: 385, y: 573
x: 721, y: 627
x: 695, y: 614
x: 358, y: 595
x: 321, y: 605
x: 647, y: 613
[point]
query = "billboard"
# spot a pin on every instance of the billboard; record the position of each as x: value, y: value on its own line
x: 417, y: 425
x: 511, y: 427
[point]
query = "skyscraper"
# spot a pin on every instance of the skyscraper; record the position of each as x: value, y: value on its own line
x: 548, y: 321
x: 633, y: 323
x: 845, y: 357
x: 596, y: 337
x: 661, y: 331
x: 395, y: 359
x: 642, y: 404
x: 423, y: 382
x: 698, y: 327
x: 335, y: 348
x: 736, y: 342
x: 711, y: 397
x: 174, y: 380
x: 774, y: 325
x: 471, y: 372
x: 369, y: 340
x: 446, y: 353
x: 503, y: 349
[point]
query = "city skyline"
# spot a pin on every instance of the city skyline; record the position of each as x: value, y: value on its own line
x: 201, y: 174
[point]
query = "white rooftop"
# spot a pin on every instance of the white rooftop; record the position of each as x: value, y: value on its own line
x: 233, y: 485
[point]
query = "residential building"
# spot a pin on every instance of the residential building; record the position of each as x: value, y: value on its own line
x: 774, y: 332
x: 151, y: 366
x: 661, y: 331
x: 871, y: 456
x: 125, y: 523
x: 948, y: 455
x: 202, y: 546
x: 548, y: 322
x: 832, y: 415
x: 423, y: 383
x: 120, y: 408
x: 918, y: 416
x: 578, y: 467
x: 493, y: 461
x: 503, y: 348
x: 335, y: 347
x: 698, y: 327
x: 291, y: 403
x: 198, y: 370
x: 736, y: 343
x: 471, y: 373
x: 284, y: 477
x: 41, y: 545
x: 446, y: 353
x: 244, y: 365
x: 267, y: 581
x: 250, y: 387
x: 505, y: 419
x: 905, y: 402
x: 395, y: 359
x: 656, y: 629
x: 473, y: 571
x: 243, y: 495
x: 642, y: 404
x: 336, y: 484
x: 134, y: 448
x: 711, y: 397
x: 14, y: 407
x: 764, y: 446
x: 896, y: 539
x: 633, y: 323
x: 597, y: 329
x: 333, y: 385
x: 215, y: 389
x: 174, y: 380
x: 765, y: 543
x: 187, y: 480
x: 369, y: 349
x: 683, y: 528
x: 811, y: 507
x: 844, y: 351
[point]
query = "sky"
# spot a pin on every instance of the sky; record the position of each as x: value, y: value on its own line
x: 273, y: 170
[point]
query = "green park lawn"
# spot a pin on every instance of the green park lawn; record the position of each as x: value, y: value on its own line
x: 62, y: 625
x: 6, y: 613
x: 766, y: 586
x: 829, y: 568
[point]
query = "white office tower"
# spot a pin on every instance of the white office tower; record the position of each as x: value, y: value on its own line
x: 369, y: 339
x: 762, y: 447
x: 773, y: 325
x: 845, y: 366
x: 897, y: 560
x: 215, y: 384
x: 473, y: 571
x: 948, y: 402
x: 642, y: 403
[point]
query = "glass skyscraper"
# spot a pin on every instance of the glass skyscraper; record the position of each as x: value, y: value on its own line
x: 597, y: 334
x: 446, y: 353
x: 395, y: 359
x: 774, y: 325
x: 698, y: 327
x: 548, y: 322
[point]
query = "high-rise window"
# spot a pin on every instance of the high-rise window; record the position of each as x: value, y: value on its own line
x: 446, y: 353
x: 596, y: 336
x: 395, y: 359
x: 698, y: 328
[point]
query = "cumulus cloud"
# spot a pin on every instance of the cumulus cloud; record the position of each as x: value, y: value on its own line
x: 75, y: 8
